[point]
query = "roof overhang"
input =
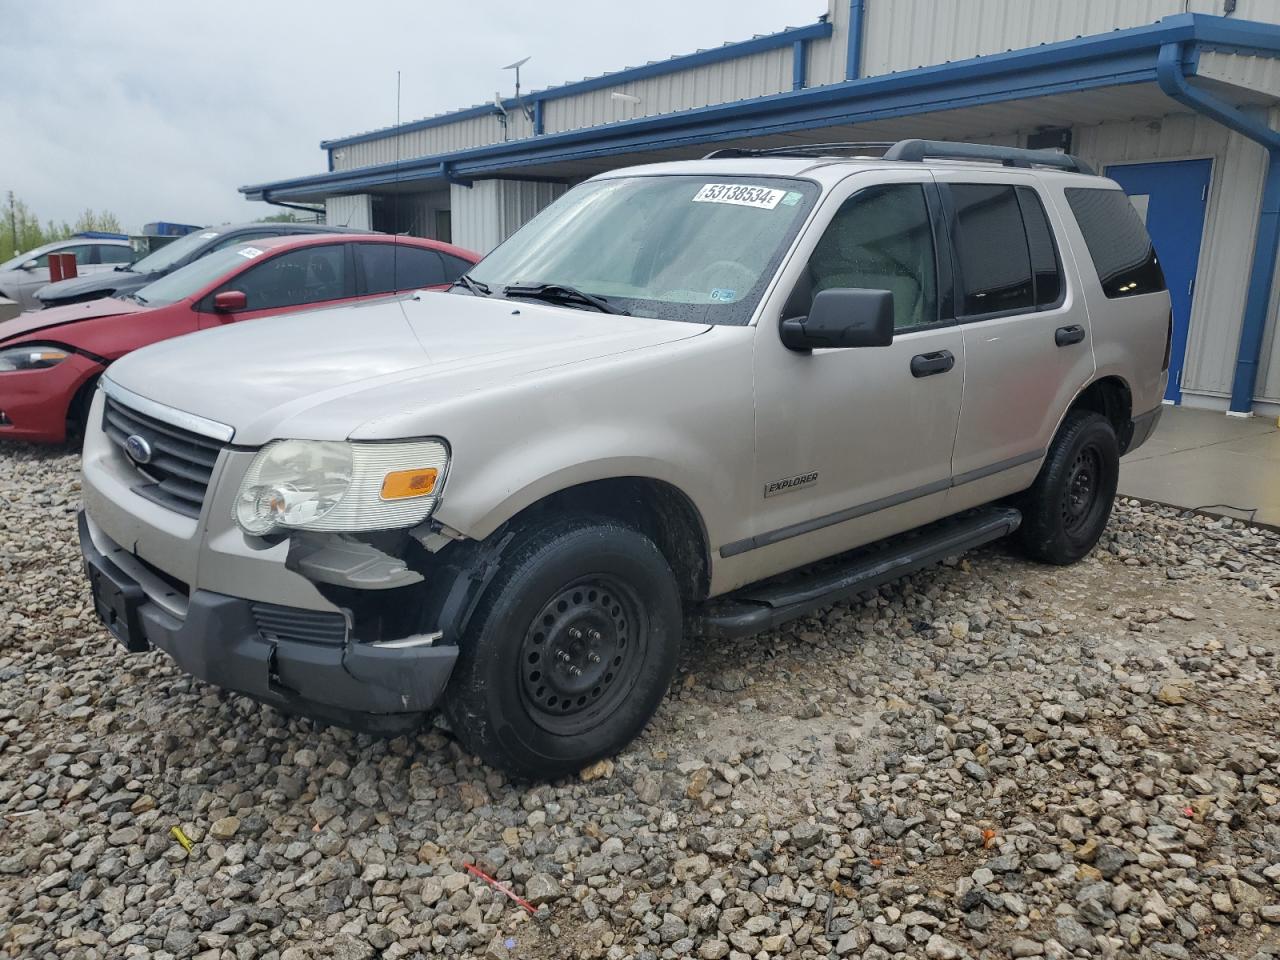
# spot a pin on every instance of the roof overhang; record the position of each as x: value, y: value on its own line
x: 1088, y: 79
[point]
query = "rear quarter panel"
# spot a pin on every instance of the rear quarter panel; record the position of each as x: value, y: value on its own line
x: 1128, y: 333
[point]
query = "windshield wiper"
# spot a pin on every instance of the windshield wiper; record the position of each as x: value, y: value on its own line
x: 139, y: 297
x: 561, y: 293
x: 475, y: 286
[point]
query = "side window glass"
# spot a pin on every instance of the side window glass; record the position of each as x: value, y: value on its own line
x: 454, y: 267
x: 991, y: 244
x: 1118, y: 242
x: 398, y: 266
x: 115, y: 253
x: 84, y: 253
x: 309, y: 275
x: 1044, y: 252
x: 880, y: 239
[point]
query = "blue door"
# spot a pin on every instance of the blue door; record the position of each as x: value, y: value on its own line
x: 1171, y: 196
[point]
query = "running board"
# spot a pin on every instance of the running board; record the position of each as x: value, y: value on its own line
x: 769, y: 603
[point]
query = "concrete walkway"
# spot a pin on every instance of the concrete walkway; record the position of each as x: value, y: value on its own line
x: 1203, y: 459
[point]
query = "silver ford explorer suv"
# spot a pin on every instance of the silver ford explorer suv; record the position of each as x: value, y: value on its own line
x: 698, y: 397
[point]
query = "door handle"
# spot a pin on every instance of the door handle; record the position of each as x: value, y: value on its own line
x: 1065, y: 336
x: 927, y: 364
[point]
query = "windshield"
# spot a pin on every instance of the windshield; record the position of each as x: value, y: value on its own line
x: 194, y: 277
x: 699, y: 249
x: 164, y: 258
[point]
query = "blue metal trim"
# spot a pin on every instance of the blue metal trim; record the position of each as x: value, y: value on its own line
x: 730, y: 51
x: 853, y: 56
x: 799, y: 64
x: 1170, y: 74
x: 1112, y: 59
x: 447, y: 171
x: 539, y: 117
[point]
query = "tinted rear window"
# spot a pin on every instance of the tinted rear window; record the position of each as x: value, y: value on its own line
x: 995, y: 264
x: 1118, y: 242
x: 399, y: 266
x: 1044, y: 253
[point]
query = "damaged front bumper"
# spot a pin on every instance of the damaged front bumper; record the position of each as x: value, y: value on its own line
x: 303, y: 661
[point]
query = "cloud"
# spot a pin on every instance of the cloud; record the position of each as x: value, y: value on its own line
x: 158, y: 110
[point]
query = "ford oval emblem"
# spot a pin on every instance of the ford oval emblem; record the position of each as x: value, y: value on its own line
x: 138, y: 449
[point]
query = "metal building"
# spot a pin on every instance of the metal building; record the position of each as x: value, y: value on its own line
x: 1178, y: 100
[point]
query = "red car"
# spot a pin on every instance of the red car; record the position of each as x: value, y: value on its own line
x: 51, y: 359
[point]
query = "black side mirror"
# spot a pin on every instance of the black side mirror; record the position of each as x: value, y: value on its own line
x: 843, y: 317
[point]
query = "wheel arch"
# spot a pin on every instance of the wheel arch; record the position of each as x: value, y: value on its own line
x: 1112, y: 397
x: 657, y: 508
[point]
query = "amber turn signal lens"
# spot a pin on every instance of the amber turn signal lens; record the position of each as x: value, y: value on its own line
x: 403, y: 484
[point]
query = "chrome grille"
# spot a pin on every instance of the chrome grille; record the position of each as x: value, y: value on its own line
x: 177, y: 475
x: 292, y: 623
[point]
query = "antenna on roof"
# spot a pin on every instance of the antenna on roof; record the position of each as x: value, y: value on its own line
x: 526, y: 110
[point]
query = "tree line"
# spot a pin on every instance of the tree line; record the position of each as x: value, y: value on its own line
x: 21, y: 230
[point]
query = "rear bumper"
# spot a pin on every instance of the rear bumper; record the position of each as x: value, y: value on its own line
x: 373, y: 687
x: 1143, y: 426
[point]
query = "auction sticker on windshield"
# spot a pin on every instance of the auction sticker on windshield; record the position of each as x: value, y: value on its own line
x: 739, y: 194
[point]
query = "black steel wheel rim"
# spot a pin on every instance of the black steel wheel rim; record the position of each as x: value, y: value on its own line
x: 582, y: 654
x: 1081, y: 494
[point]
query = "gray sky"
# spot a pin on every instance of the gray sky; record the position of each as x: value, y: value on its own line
x: 159, y: 110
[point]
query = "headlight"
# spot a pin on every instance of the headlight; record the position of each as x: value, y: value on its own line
x: 323, y: 485
x: 31, y: 357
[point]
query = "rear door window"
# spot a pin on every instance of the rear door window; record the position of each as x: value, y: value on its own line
x: 114, y: 253
x: 1045, y: 268
x: 991, y: 246
x: 454, y: 267
x: 387, y: 267
x: 1118, y: 242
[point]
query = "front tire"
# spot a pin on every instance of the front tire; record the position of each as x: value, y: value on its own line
x: 1067, y: 508
x: 570, y: 650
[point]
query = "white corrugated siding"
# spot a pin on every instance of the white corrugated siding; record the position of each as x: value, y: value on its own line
x: 354, y: 211
x: 754, y: 76
x: 1253, y: 72
x: 1230, y: 222
x: 490, y: 211
x: 905, y: 34
x: 475, y: 132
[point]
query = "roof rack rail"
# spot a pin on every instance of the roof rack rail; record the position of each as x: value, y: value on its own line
x: 803, y: 149
x: 920, y: 150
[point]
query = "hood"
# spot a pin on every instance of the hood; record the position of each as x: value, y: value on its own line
x: 115, y: 280
x: 35, y: 321
x: 259, y: 375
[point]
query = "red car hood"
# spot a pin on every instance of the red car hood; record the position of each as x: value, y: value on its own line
x: 36, y: 320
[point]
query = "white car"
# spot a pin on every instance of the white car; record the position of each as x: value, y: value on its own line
x: 26, y: 273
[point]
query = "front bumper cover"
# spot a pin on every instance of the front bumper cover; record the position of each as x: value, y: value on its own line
x: 369, y: 687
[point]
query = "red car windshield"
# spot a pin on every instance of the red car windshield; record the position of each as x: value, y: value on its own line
x: 195, y: 276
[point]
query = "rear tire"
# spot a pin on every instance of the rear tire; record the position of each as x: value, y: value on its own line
x: 1067, y: 508
x: 570, y: 650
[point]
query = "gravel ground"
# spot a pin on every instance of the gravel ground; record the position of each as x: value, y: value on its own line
x: 992, y: 759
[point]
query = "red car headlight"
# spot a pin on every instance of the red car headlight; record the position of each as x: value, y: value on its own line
x: 31, y: 356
